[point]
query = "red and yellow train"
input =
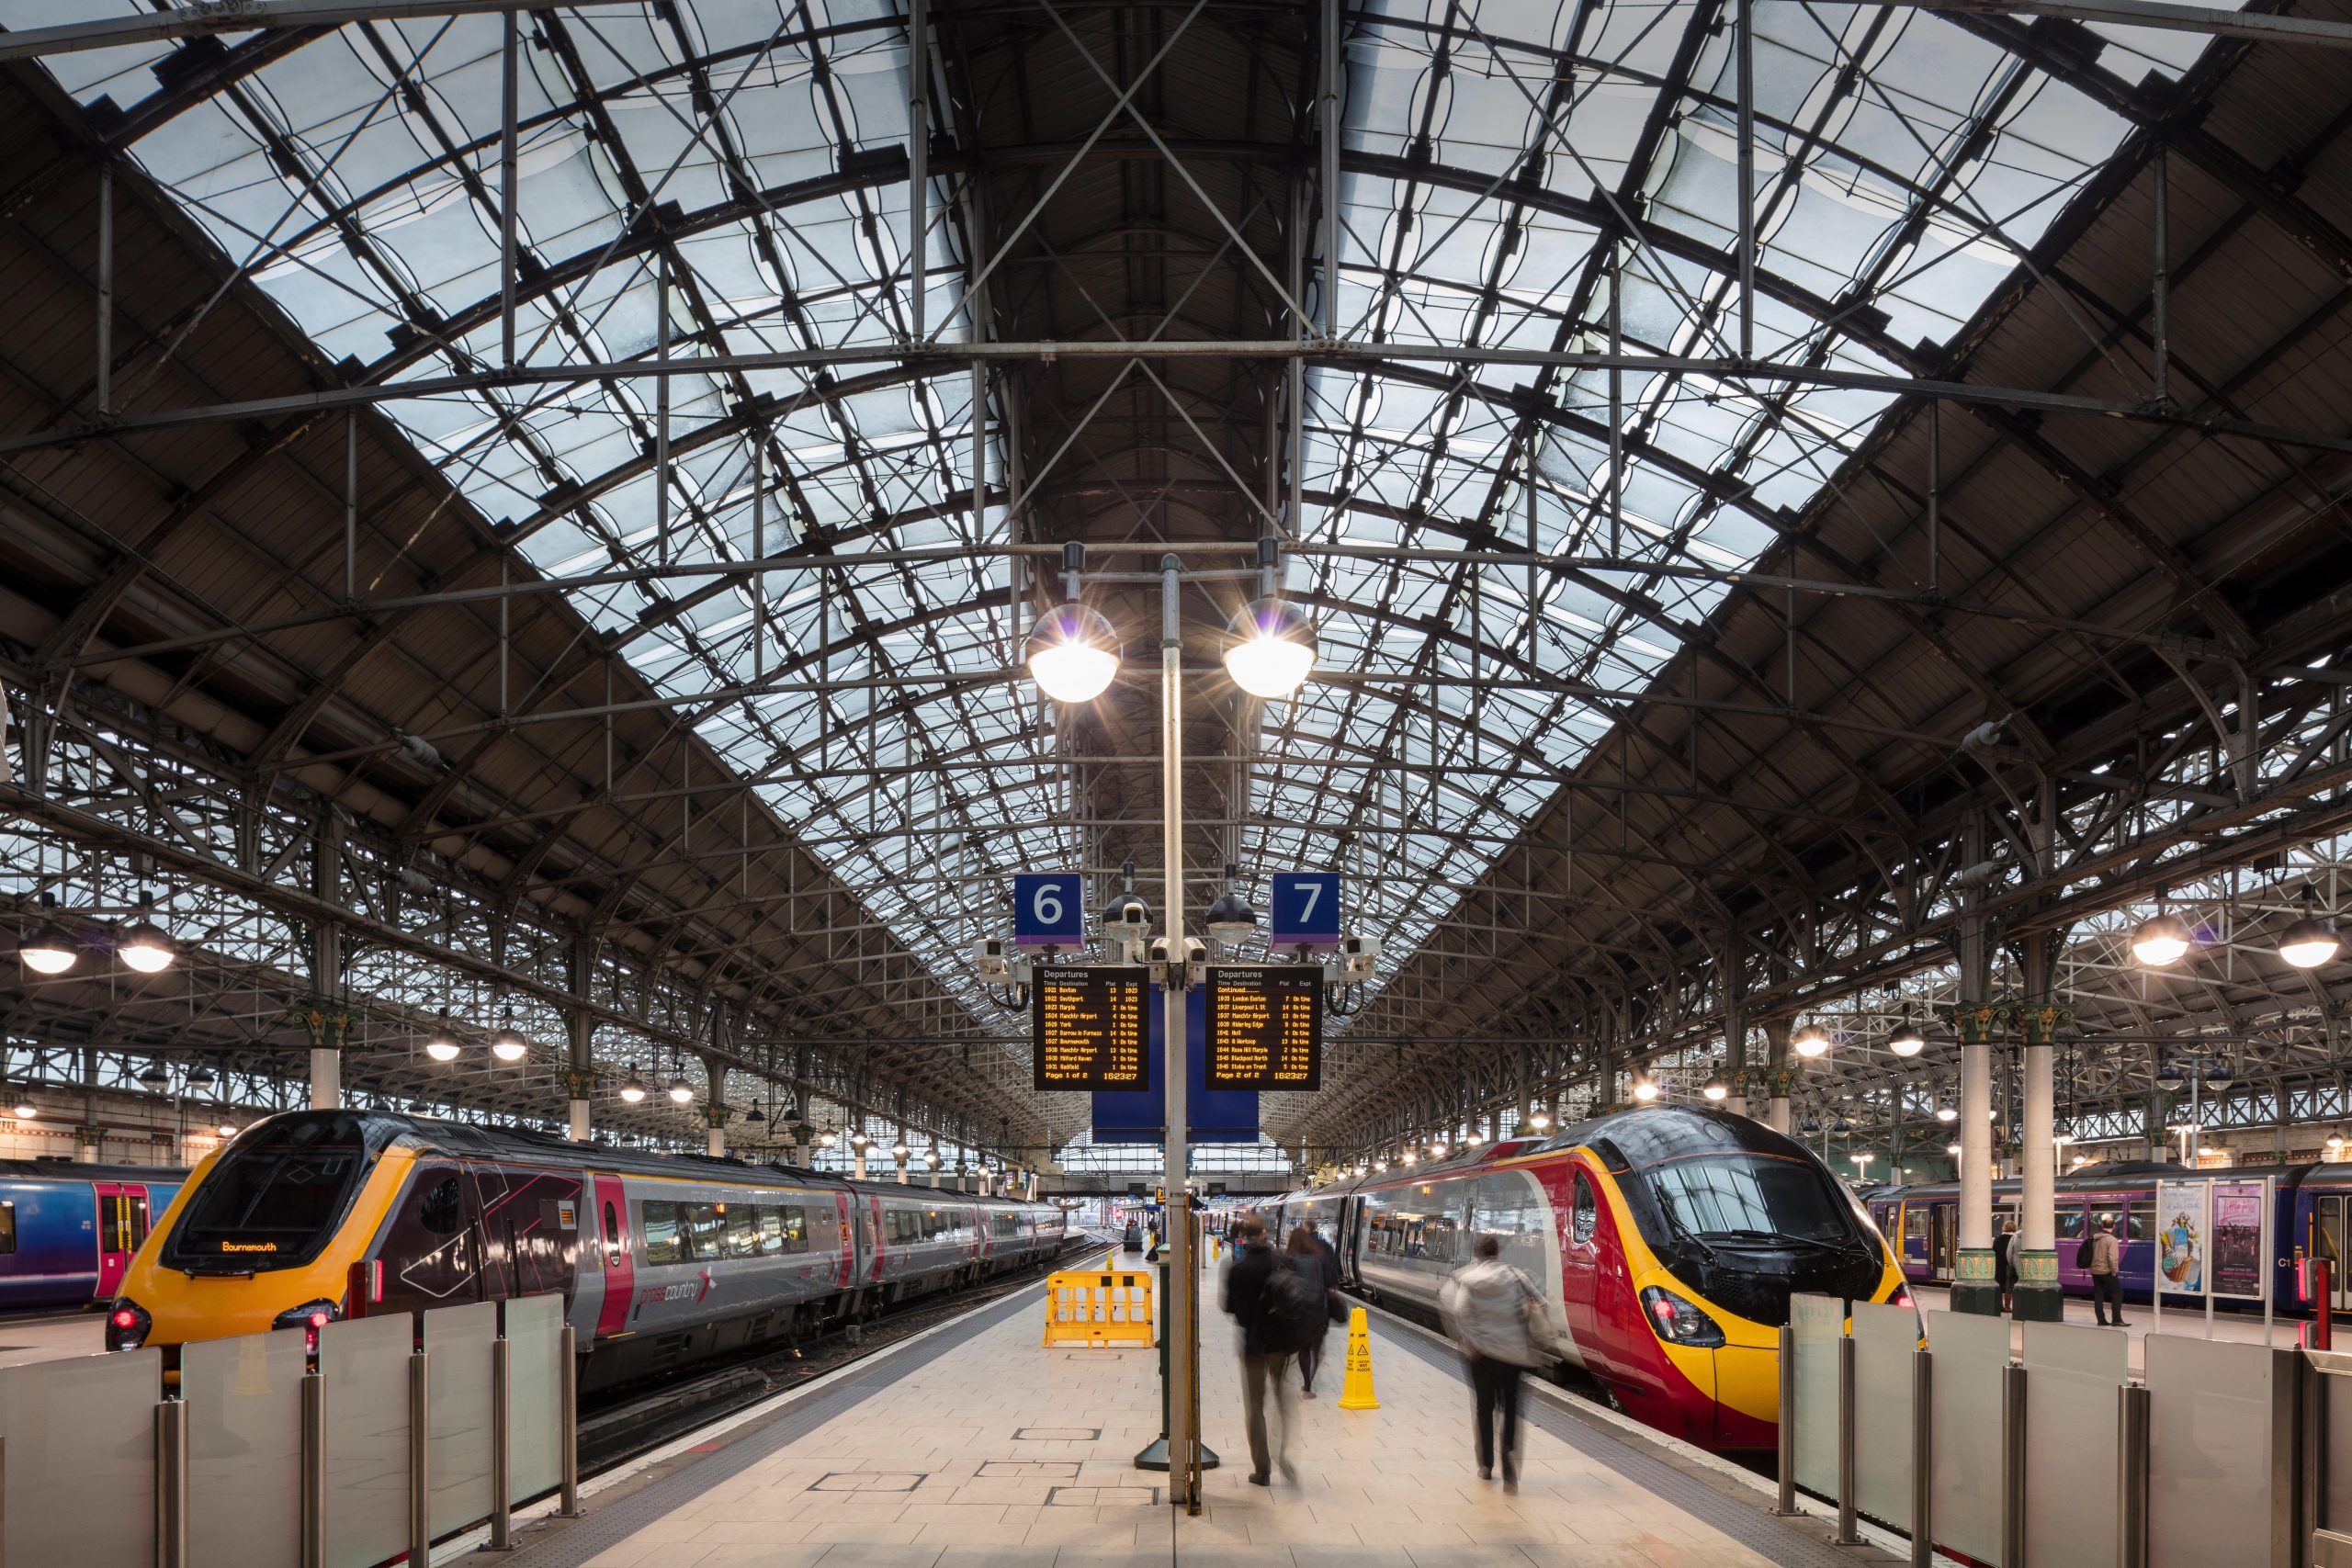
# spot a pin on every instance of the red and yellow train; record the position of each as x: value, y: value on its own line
x: 1665, y: 1241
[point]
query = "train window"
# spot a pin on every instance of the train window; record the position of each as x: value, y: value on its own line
x: 442, y: 1210
x: 275, y: 1201
x: 2070, y: 1224
x: 701, y: 1225
x: 658, y: 1222
x: 1005, y: 1224
x: 771, y: 1220
x: 742, y: 1231
x: 2142, y: 1221
x: 138, y: 1221
x: 1585, y: 1217
x: 1915, y: 1222
x: 7, y: 1228
x: 796, y: 1229
x: 110, y: 1224
x: 612, y: 1227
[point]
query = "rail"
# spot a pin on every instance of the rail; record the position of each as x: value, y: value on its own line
x: 407, y: 1430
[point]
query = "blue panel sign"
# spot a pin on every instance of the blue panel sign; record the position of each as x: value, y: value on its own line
x: 1048, y: 908
x: 1306, y: 909
x: 1217, y: 1115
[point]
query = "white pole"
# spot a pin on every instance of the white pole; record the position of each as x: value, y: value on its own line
x: 1183, y: 1369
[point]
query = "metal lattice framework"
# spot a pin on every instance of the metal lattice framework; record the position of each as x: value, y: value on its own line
x: 533, y: 508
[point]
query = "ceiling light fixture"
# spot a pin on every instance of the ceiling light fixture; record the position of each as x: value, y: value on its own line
x: 633, y: 1086
x: 2310, y: 941
x: 45, y: 949
x: 507, y: 1045
x: 1906, y: 1039
x: 143, y: 944
x: 2163, y: 938
x: 1072, y: 652
x: 1716, y: 1090
x: 1644, y: 1089
x: 1271, y: 646
x: 1811, y: 1041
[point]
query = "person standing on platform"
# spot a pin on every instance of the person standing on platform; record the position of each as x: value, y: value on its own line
x: 1490, y: 1309
x: 2107, y: 1273
x: 2005, y: 1265
x: 1246, y: 1277
x: 1316, y: 1264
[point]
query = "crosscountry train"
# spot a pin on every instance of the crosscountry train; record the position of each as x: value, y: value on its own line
x: 1665, y: 1242
x: 67, y: 1231
x: 315, y: 1215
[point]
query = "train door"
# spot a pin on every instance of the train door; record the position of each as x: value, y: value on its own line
x: 875, y: 1204
x: 1580, y: 1251
x: 848, y: 1242
x: 1943, y: 1241
x: 122, y: 1226
x: 2329, y: 1214
x: 615, y: 1253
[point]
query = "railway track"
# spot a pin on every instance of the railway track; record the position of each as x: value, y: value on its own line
x: 618, y: 1426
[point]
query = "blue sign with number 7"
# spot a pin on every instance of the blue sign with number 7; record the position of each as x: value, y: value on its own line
x: 1048, y: 908
x: 1306, y: 909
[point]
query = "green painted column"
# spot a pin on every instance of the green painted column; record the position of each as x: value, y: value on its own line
x: 1973, y: 1287
x: 2037, y: 1296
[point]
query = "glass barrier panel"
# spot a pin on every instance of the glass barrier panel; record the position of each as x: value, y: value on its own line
x: 2336, y: 1485
x: 1819, y: 1322
x: 81, y: 1460
x: 458, y: 1339
x: 1966, y: 1431
x: 1886, y: 1341
x: 2210, y: 1423
x: 534, y: 1363
x: 364, y: 1363
x: 244, y: 1447
x: 2071, y: 1441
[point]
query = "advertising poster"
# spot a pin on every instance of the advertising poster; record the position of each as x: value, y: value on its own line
x: 2236, y: 1249
x: 2181, y: 1228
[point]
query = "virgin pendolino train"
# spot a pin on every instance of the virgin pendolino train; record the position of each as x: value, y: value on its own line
x: 1665, y: 1242
x: 315, y: 1215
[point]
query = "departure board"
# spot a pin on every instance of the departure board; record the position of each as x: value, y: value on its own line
x: 1265, y: 1026
x: 1087, y: 1024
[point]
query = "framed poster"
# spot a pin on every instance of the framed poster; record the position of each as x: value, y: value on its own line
x: 2182, y: 1227
x: 2236, y: 1250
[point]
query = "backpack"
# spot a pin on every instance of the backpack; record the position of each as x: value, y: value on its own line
x: 2083, y: 1253
x: 1291, y: 1312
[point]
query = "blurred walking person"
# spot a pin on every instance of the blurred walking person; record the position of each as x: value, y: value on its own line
x: 1491, y: 1310
x: 1249, y: 1284
x: 1318, y: 1266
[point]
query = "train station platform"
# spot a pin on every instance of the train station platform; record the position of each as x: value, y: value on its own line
x: 974, y: 1448
x: 2140, y: 1320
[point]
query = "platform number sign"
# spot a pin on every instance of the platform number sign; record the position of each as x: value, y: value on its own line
x: 1048, y: 908
x: 1305, y: 909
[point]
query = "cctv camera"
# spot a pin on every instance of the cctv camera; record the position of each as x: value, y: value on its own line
x: 988, y: 957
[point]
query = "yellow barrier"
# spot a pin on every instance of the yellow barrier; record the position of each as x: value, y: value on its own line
x: 1099, y: 1310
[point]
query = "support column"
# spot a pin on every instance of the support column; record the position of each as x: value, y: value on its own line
x: 1734, y: 1025
x: 324, y: 1020
x: 89, y: 1138
x: 714, y: 1110
x: 578, y: 1087
x: 579, y: 1036
x: 1779, y: 1079
x: 1974, y: 1020
x: 857, y: 1160
x: 2035, y: 1252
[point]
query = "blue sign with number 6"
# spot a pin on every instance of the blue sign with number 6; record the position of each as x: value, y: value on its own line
x: 1306, y: 909
x: 1048, y: 908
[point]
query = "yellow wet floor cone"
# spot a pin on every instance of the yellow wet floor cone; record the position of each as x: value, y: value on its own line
x: 1356, y: 1393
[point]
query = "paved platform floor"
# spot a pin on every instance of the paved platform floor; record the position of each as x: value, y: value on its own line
x: 987, y: 1451
x: 48, y: 1338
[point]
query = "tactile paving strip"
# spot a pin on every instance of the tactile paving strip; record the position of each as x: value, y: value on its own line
x: 607, y: 1525
x: 1779, y: 1539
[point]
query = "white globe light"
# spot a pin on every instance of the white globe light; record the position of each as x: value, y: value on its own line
x: 45, y: 950
x: 1072, y: 653
x: 27, y: 1110
x: 1907, y: 1040
x: 1271, y: 649
x: 226, y: 1129
x: 441, y: 1048
x: 1718, y: 1090
x: 634, y: 1089
x: 2308, y: 944
x: 150, y: 951
x: 1645, y: 1090
x: 1811, y: 1041
x: 509, y: 1046
x: 2160, y: 939
x: 680, y: 1092
x: 1947, y: 1111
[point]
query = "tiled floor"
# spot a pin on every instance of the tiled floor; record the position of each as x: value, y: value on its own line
x: 1001, y: 1453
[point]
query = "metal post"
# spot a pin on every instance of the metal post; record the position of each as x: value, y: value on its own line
x: 1617, y: 414
x: 1334, y: 76
x: 1786, y: 1504
x: 2323, y: 1271
x: 2013, y: 1464
x: 106, y: 286
x: 1935, y: 491
x: 918, y: 158
x: 1175, y: 1057
x: 351, y: 506
x: 509, y: 51
x: 314, y: 1471
x: 501, y: 1444
x: 1923, y: 1459
x: 2131, y: 1483
x: 2160, y: 288
x: 171, y: 1484
x: 570, y: 1507
x: 1847, y: 1488
x: 661, y: 407
x: 1745, y: 26
x: 420, y: 1459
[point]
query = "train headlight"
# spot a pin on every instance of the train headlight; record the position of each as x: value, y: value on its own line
x: 128, y: 1324
x: 310, y: 1317
x: 1677, y: 1321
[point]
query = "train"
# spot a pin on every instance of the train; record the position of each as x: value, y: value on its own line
x: 68, y: 1231
x: 1665, y: 1241
x: 2309, y: 1207
x: 311, y: 1216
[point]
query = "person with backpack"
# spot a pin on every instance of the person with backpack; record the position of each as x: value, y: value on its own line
x: 1317, y: 1265
x: 2102, y: 1255
x: 1260, y: 1288
x: 1492, y: 1311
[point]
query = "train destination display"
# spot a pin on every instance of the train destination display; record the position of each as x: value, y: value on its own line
x: 1087, y: 1025
x: 1265, y: 1026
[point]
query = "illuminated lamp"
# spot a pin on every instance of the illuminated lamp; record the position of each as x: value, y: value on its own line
x: 2161, y: 939
x: 45, y: 949
x: 633, y: 1088
x: 1811, y: 1041
x: 1271, y: 648
x: 143, y: 944
x: 507, y: 1045
x: 1906, y: 1039
x: 1072, y: 653
x: 1716, y: 1089
x: 1644, y: 1089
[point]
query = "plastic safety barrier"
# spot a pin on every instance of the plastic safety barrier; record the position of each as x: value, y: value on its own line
x: 1098, y: 1308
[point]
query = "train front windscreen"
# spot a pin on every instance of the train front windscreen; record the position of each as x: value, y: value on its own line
x: 276, y: 1198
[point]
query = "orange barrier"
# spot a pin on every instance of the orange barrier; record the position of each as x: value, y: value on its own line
x: 1100, y: 1309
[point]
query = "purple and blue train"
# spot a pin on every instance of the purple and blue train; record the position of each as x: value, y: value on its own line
x: 2311, y: 1216
x: 67, y: 1231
